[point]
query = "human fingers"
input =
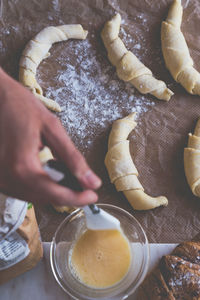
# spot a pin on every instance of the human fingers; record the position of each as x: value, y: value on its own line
x: 64, y: 149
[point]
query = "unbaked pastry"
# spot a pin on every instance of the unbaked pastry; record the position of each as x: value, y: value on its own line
x: 45, y: 155
x: 37, y: 49
x: 128, y: 66
x: 192, y: 160
x: 175, y: 51
x: 121, y: 169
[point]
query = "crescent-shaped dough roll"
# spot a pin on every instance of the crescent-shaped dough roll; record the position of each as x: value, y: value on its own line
x: 121, y: 168
x: 121, y: 129
x: 118, y: 161
x: 45, y: 155
x: 193, y: 141
x: 128, y: 182
x: 192, y: 161
x: 37, y: 49
x: 175, y: 50
x: 62, y: 209
x: 141, y: 201
x: 128, y: 66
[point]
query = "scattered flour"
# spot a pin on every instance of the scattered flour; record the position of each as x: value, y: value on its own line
x: 137, y: 46
x: 90, y: 93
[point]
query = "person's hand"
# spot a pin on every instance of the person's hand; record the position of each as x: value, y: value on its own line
x: 25, y: 126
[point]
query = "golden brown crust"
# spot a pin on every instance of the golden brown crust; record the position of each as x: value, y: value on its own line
x: 189, y: 251
x: 154, y: 287
x: 177, y: 275
x: 182, y: 277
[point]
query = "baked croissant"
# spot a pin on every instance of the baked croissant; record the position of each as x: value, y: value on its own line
x: 121, y: 169
x: 37, y: 49
x: 177, y: 277
x: 175, y: 50
x: 192, y: 160
x: 128, y: 66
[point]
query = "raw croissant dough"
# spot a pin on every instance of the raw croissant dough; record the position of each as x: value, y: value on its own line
x: 128, y: 66
x: 45, y: 155
x: 121, y: 169
x: 175, y: 50
x: 37, y: 49
x: 192, y: 161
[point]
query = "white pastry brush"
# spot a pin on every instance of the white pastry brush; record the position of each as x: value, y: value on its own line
x: 99, y: 219
x: 96, y: 218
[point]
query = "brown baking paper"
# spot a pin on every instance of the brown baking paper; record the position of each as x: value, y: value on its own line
x: 79, y: 76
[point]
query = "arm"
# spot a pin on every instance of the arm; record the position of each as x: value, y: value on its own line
x: 25, y: 126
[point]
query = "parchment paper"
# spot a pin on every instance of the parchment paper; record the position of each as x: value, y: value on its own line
x: 158, y: 141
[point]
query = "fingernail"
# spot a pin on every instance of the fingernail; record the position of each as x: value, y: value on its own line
x: 92, y: 179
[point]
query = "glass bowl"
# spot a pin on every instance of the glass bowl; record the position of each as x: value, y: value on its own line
x: 61, y: 248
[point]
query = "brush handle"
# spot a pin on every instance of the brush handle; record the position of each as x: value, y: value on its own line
x: 94, y: 208
x: 63, y: 176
